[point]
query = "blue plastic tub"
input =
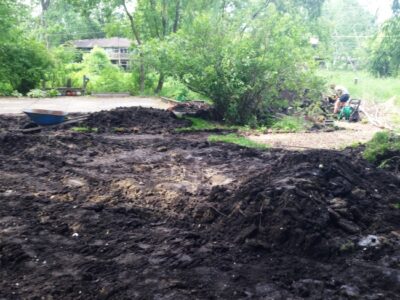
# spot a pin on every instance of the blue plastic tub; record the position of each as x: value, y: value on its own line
x: 46, y: 117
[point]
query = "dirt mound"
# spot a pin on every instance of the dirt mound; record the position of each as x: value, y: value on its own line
x: 197, y: 109
x: 316, y: 203
x: 12, y: 122
x: 135, y: 119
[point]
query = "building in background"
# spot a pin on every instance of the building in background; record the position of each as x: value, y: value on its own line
x: 117, y: 49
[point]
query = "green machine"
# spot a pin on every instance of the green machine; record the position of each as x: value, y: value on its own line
x: 351, y: 111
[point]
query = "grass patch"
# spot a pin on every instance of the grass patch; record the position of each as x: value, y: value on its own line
x: 368, y: 87
x: 83, y: 129
x: 238, y: 140
x: 291, y: 124
x: 199, y: 124
x: 381, y: 144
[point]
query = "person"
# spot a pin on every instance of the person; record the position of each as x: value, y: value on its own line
x: 342, y: 97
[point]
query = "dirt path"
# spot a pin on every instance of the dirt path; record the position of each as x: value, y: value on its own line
x: 352, y: 133
x: 77, y: 104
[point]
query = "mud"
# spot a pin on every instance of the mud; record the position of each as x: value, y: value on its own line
x: 170, y: 216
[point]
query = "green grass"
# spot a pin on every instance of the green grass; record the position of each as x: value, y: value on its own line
x: 368, y: 87
x: 83, y: 129
x: 380, y: 144
x: 235, y: 139
x: 290, y: 124
x: 199, y: 124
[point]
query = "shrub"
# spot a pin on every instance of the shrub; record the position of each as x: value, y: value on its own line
x: 36, y: 93
x: 291, y: 124
x: 245, y: 76
x: 52, y: 93
x: 382, y: 147
x: 16, y: 94
x: 5, y: 89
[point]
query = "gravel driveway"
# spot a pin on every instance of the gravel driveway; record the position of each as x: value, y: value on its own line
x: 77, y: 104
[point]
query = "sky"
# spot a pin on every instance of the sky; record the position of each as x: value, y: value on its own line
x: 383, y: 8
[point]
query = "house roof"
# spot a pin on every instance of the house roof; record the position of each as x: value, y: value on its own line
x: 114, y: 42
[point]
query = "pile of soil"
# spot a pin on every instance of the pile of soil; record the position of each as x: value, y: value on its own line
x: 12, y: 122
x: 135, y: 119
x: 88, y: 216
x: 317, y: 203
x: 197, y: 109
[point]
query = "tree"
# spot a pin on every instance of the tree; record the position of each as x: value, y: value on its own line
x: 244, y: 75
x: 385, y: 56
x: 23, y: 62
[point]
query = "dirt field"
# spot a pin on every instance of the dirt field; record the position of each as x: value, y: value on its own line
x: 159, y: 215
x: 77, y: 104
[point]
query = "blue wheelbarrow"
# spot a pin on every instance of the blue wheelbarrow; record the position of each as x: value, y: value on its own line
x: 42, y: 118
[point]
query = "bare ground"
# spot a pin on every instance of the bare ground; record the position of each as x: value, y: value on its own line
x: 171, y: 216
x: 352, y: 133
x: 9, y: 105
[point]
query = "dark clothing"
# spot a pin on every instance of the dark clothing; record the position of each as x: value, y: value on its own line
x: 344, y: 98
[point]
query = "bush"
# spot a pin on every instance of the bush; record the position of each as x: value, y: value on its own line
x: 16, y: 94
x: 5, y: 89
x: 291, y: 124
x: 24, y: 64
x: 52, y: 93
x: 36, y: 93
x: 246, y: 76
x: 382, y: 147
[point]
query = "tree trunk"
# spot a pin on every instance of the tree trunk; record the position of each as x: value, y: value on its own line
x: 160, y: 83
x: 142, y: 73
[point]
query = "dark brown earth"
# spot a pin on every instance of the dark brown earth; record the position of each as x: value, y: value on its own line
x: 135, y: 119
x: 170, y: 216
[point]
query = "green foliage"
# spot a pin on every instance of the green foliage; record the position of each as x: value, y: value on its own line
x: 83, y: 129
x: 244, y: 75
x: 16, y: 94
x: 382, y: 144
x: 198, y: 125
x: 52, y: 93
x: 291, y: 124
x: 5, y: 89
x: 348, y: 21
x: 236, y: 139
x: 385, y: 56
x: 24, y: 64
x: 368, y: 87
x: 36, y: 93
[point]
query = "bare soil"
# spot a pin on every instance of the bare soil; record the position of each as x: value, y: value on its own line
x: 171, y: 216
x: 350, y: 134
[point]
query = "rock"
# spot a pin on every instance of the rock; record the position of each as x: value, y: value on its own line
x: 246, y: 233
x: 369, y: 241
x: 162, y: 149
x: 349, y: 291
x: 348, y: 226
x: 358, y: 194
x: 338, y: 203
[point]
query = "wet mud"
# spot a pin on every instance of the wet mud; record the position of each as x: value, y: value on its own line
x: 171, y: 216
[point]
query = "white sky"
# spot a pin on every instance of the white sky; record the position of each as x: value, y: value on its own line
x: 383, y: 8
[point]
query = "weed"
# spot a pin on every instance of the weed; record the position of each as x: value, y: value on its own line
x: 236, y: 139
x: 290, y: 124
x: 382, y: 143
x: 199, y: 124
x: 83, y: 129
